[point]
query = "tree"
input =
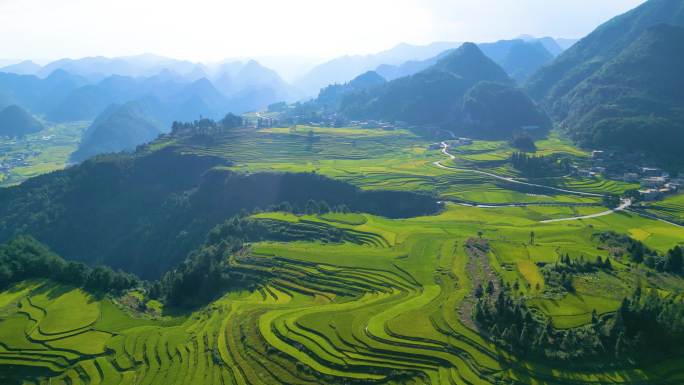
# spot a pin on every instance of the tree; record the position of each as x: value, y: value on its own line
x: 75, y: 273
x: 323, y: 207
x: 523, y: 142
x: 478, y: 291
x: 608, y: 265
x: 633, y: 195
x: 611, y: 201
x: 675, y: 260
x: 531, y: 237
x: 311, y: 207
x: 5, y: 276
x: 99, y: 278
x: 524, y: 336
x: 594, y: 317
x: 620, y: 345
x: 231, y: 121
x: 541, y: 340
x: 566, y: 282
x: 490, y: 288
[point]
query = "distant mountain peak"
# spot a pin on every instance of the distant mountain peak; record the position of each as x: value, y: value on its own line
x: 120, y: 127
x: 470, y: 62
x: 58, y: 74
x: 15, y: 121
x: 26, y: 67
x: 367, y: 78
x: 467, y: 51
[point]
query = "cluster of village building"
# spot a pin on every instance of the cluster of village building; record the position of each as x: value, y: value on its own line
x: 654, y: 182
x: 451, y: 143
x: 13, y: 161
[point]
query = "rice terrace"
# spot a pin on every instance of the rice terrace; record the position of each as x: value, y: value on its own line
x: 387, y: 301
x: 459, y: 213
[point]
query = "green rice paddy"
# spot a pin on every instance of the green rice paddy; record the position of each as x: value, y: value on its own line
x: 382, y: 309
x: 39, y: 153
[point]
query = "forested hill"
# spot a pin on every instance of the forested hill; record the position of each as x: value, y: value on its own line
x: 587, y: 56
x: 621, y: 86
x: 144, y: 212
x: 331, y: 96
x: 435, y: 96
x: 15, y: 121
x: 636, y: 101
x: 118, y: 128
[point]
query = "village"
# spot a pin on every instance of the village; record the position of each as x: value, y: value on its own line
x: 11, y: 158
x: 654, y: 182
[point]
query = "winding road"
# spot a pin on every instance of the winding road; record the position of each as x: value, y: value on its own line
x: 624, y: 204
x: 445, y: 151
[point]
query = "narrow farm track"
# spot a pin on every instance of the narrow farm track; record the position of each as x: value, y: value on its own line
x: 623, y: 206
x: 445, y: 151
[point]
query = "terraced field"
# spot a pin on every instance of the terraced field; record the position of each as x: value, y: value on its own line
x: 387, y: 303
x: 39, y: 153
x: 381, y: 308
x: 373, y: 159
x: 671, y: 208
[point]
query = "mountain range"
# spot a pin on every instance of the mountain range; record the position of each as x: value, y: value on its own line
x: 621, y: 86
x: 77, y: 90
x: 345, y: 68
x: 519, y: 58
x: 456, y: 92
x: 407, y: 60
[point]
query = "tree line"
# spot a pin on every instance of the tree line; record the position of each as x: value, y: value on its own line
x: 25, y: 258
x: 559, y: 275
x: 207, y: 126
x: 207, y: 272
x: 637, y: 252
x: 644, y: 326
x: 203, y: 276
x: 534, y: 166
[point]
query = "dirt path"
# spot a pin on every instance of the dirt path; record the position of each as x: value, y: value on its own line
x: 480, y: 272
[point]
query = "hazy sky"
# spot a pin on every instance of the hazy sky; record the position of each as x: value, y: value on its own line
x: 211, y: 30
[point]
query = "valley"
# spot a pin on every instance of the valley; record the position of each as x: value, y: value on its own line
x: 383, y: 304
x: 45, y: 151
x: 502, y: 210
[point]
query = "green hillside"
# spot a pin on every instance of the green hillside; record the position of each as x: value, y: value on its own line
x: 118, y: 128
x: 15, y: 121
x: 587, y: 56
x: 447, y: 227
x: 144, y: 212
x: 435, y: 96
x: 620, y: 86
x: 343, y: 275
x: 636, y: 101
x: 332, y: 95
x: 525, y: 58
